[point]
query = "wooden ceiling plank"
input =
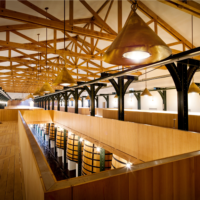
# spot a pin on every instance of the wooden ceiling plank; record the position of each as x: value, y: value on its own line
x: 59, y: 25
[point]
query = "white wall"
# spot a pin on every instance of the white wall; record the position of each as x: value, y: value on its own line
x: 154, y: 102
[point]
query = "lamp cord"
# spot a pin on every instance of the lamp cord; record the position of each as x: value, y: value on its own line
x: 46, y: 45
x: 134, y: 5
x: 38, y: 58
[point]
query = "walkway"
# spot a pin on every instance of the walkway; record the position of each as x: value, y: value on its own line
x: 11, y: 176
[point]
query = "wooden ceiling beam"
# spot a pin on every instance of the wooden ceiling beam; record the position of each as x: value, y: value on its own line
x: 98, y: 18
x: 58, y: 25
x: 148, y: 12
x: 49, y: 50
x: 190, y: 7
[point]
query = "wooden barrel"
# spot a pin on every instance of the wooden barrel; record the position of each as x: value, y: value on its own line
x: 91, y: 159
x: 60, y: 138
x: 52, y: 132
x: 118, y: 162
x: 47, y: 128
x: 72, y: 147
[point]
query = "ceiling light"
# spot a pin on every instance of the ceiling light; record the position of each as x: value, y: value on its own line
x: 30, y: 96
x: 146, y: 91
x: 128, y: 165
x: 71, y: 99
x: 64, y: 78
x: 81, y: 139
x: 136, y: 44
x: 98, y: 149
x: 88, y: 97
x: 79, y: 99
x: 46, y: 88
x: 193, y: 88
x: 116, y: 96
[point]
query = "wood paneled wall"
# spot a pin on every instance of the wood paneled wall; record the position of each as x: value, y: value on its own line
x: 170, y: 178
x: 175, y: 180
x: 144, y: 142
x: 153, y: 118
x: 32, y: 177
x: 38, y: 116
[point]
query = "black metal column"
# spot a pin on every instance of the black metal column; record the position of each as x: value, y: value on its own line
x: 92, y: 100
x: 138, y: 97
x: 42, y: 103
x: 183, y: 98
x: 66, y: 98
x: 79, y: 156
x: 97, y: 101
x: 65, y: 148
x: 82, y: 101
x: 45, y: 104
x: 76, y: 100
x: 121, y: 99
x: 107, y: 101
x: 48, y: 103
x: 58, y: 100
x: 52, y: 107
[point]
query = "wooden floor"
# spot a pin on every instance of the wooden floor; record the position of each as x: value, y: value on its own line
x: 11, y: 175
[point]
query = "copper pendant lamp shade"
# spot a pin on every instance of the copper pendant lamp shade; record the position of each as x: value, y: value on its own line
x: 64, y: 78
x: 79, y: 99
x: 88, y: 97
x: 46, y: 88
x: 136, y: 44
x: 37, y: 93
x: 193, y: 88
x: 116, y: 97
x: 146, y: 92
x: 71, y: 99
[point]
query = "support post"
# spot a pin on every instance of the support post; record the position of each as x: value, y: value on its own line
x: 102, y: 159
x: 82, y: 101
x: 52, y: 107
x: 97, y: 101
x: 182, y: 78
x: 45, y: 104
x: 76, y: 100
x: 79, y: 156
x: 121, y: 98
x: 58, y: 100
x: 138, y: 97
x: 163, y: 95
x: 55, y: 149
x: 66, y: 98
x: 92, y: 100
x: 48, y: 103
x: 65, y: 149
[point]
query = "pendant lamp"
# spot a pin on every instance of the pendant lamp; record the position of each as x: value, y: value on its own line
x: 193, y: 88
x: 146, y: 91
x: 37, y: 93
x: 64, y: 78
x: 71, y: 99
x: 116, y: 97
x: 30, y: 96
x: 46, y: 88
x: 88, y: 97
x: 79, y: 99
x: 136, y: 44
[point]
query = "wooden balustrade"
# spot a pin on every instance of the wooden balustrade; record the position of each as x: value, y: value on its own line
x: 141, y: 181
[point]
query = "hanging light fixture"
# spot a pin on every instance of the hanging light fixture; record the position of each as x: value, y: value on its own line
x: 64, y: 78
x: 116, y: 97
x: 88, y: 97
x: 146, y: 91
x: 136, y: 43
x: 37, y: 91
x: 71, y: 99
x: 193, y: 88
x: 46, y: 88
x: 30, y: 96
x: 79, y: 99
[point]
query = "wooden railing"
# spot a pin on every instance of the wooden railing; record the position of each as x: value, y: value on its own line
x: 175, y: 177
